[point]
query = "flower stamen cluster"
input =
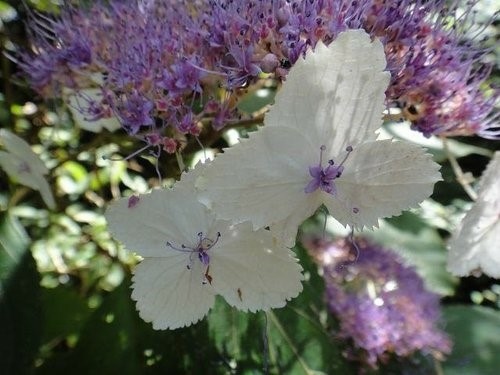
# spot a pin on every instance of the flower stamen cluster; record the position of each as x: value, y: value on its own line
x: 163, y: 66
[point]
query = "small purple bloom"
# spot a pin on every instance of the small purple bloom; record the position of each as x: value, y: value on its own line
x: 381, y: 304
x: 323, y: 178
x: 135, y: 112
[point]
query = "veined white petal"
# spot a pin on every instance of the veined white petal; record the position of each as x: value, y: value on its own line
x: 475, y: 244
x: 381, y: 179
x: 164, y: 215
x: 331, y: 100
x: 190, y: 256
x: 336, y: 92
x: 262, y: 179
x: 168, y: 294
x: 252, y: 271
x: 285, y: 231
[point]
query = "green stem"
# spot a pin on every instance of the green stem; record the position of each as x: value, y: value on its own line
x: 462, y: 178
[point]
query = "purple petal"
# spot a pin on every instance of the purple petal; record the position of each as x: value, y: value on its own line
x: 312, y: 185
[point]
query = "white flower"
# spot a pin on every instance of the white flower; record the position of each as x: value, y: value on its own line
x: 82, y: 103
x: 476, y: 242
x: 318, y: 146
x: 23, y: 165
x: 190, y: 256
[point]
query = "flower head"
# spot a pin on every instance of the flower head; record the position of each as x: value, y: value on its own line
x: 171, y: 52
x: 331, y: 104
x: 381, y: 304
x: 23, y: 165
x: 190, y: 256
x: 474, y: 245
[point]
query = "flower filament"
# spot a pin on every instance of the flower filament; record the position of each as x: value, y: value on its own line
x: 201, y: 249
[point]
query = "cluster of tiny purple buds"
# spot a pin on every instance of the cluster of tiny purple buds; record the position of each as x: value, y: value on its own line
x: 201, y: 249
x: 165, y: 64
x: 381, y: 304
x: 323, y: 178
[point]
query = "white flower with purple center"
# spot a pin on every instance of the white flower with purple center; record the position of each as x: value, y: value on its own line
x: 190, y: 256
x: 329, y: 108
x: 23, y: 165
x: 89, y: 111
x: 474, y: 245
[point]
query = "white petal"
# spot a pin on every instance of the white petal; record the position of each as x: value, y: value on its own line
x: 336, y: 92
x: 475, y: 245
x: 252, y: 272
x: 20, y: 148
x: 171, y: 215
x: 168, y: 294
x: 76, y: 101
x: 381, y: 179
x: 263, y: 178
x: 285, y: 231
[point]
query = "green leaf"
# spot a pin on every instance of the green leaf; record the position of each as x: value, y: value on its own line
x: 297, y: 336
x: 433, y: 144
x: 7, y: 12
x: 65, y: 312
x: 256, y: 100
x: 421, y: 245
x: 301, y: 335
x: 72, y: 178
x: 475, y: 332
x: 114, y: 340
x: 20, y: 311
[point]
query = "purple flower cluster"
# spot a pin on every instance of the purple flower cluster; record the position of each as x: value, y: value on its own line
x: 381, y: 304
x: 177, y: 64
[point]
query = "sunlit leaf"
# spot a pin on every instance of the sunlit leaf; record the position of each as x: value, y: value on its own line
x: 72, y: 178
x: 256, y: 100
x: 433, y: 144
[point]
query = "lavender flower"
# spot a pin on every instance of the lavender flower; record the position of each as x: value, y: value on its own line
x: 381, y: 304
x: 160, y: 58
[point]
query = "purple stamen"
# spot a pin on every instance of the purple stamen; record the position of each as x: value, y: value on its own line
x: 201, y: 249
x: 323, y: 178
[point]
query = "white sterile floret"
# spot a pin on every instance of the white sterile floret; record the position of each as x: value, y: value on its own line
x: 476, y: 242
x: 318, y: 146
x: 80, y: 104
x: 190, y: 256
x: 24, y: 166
